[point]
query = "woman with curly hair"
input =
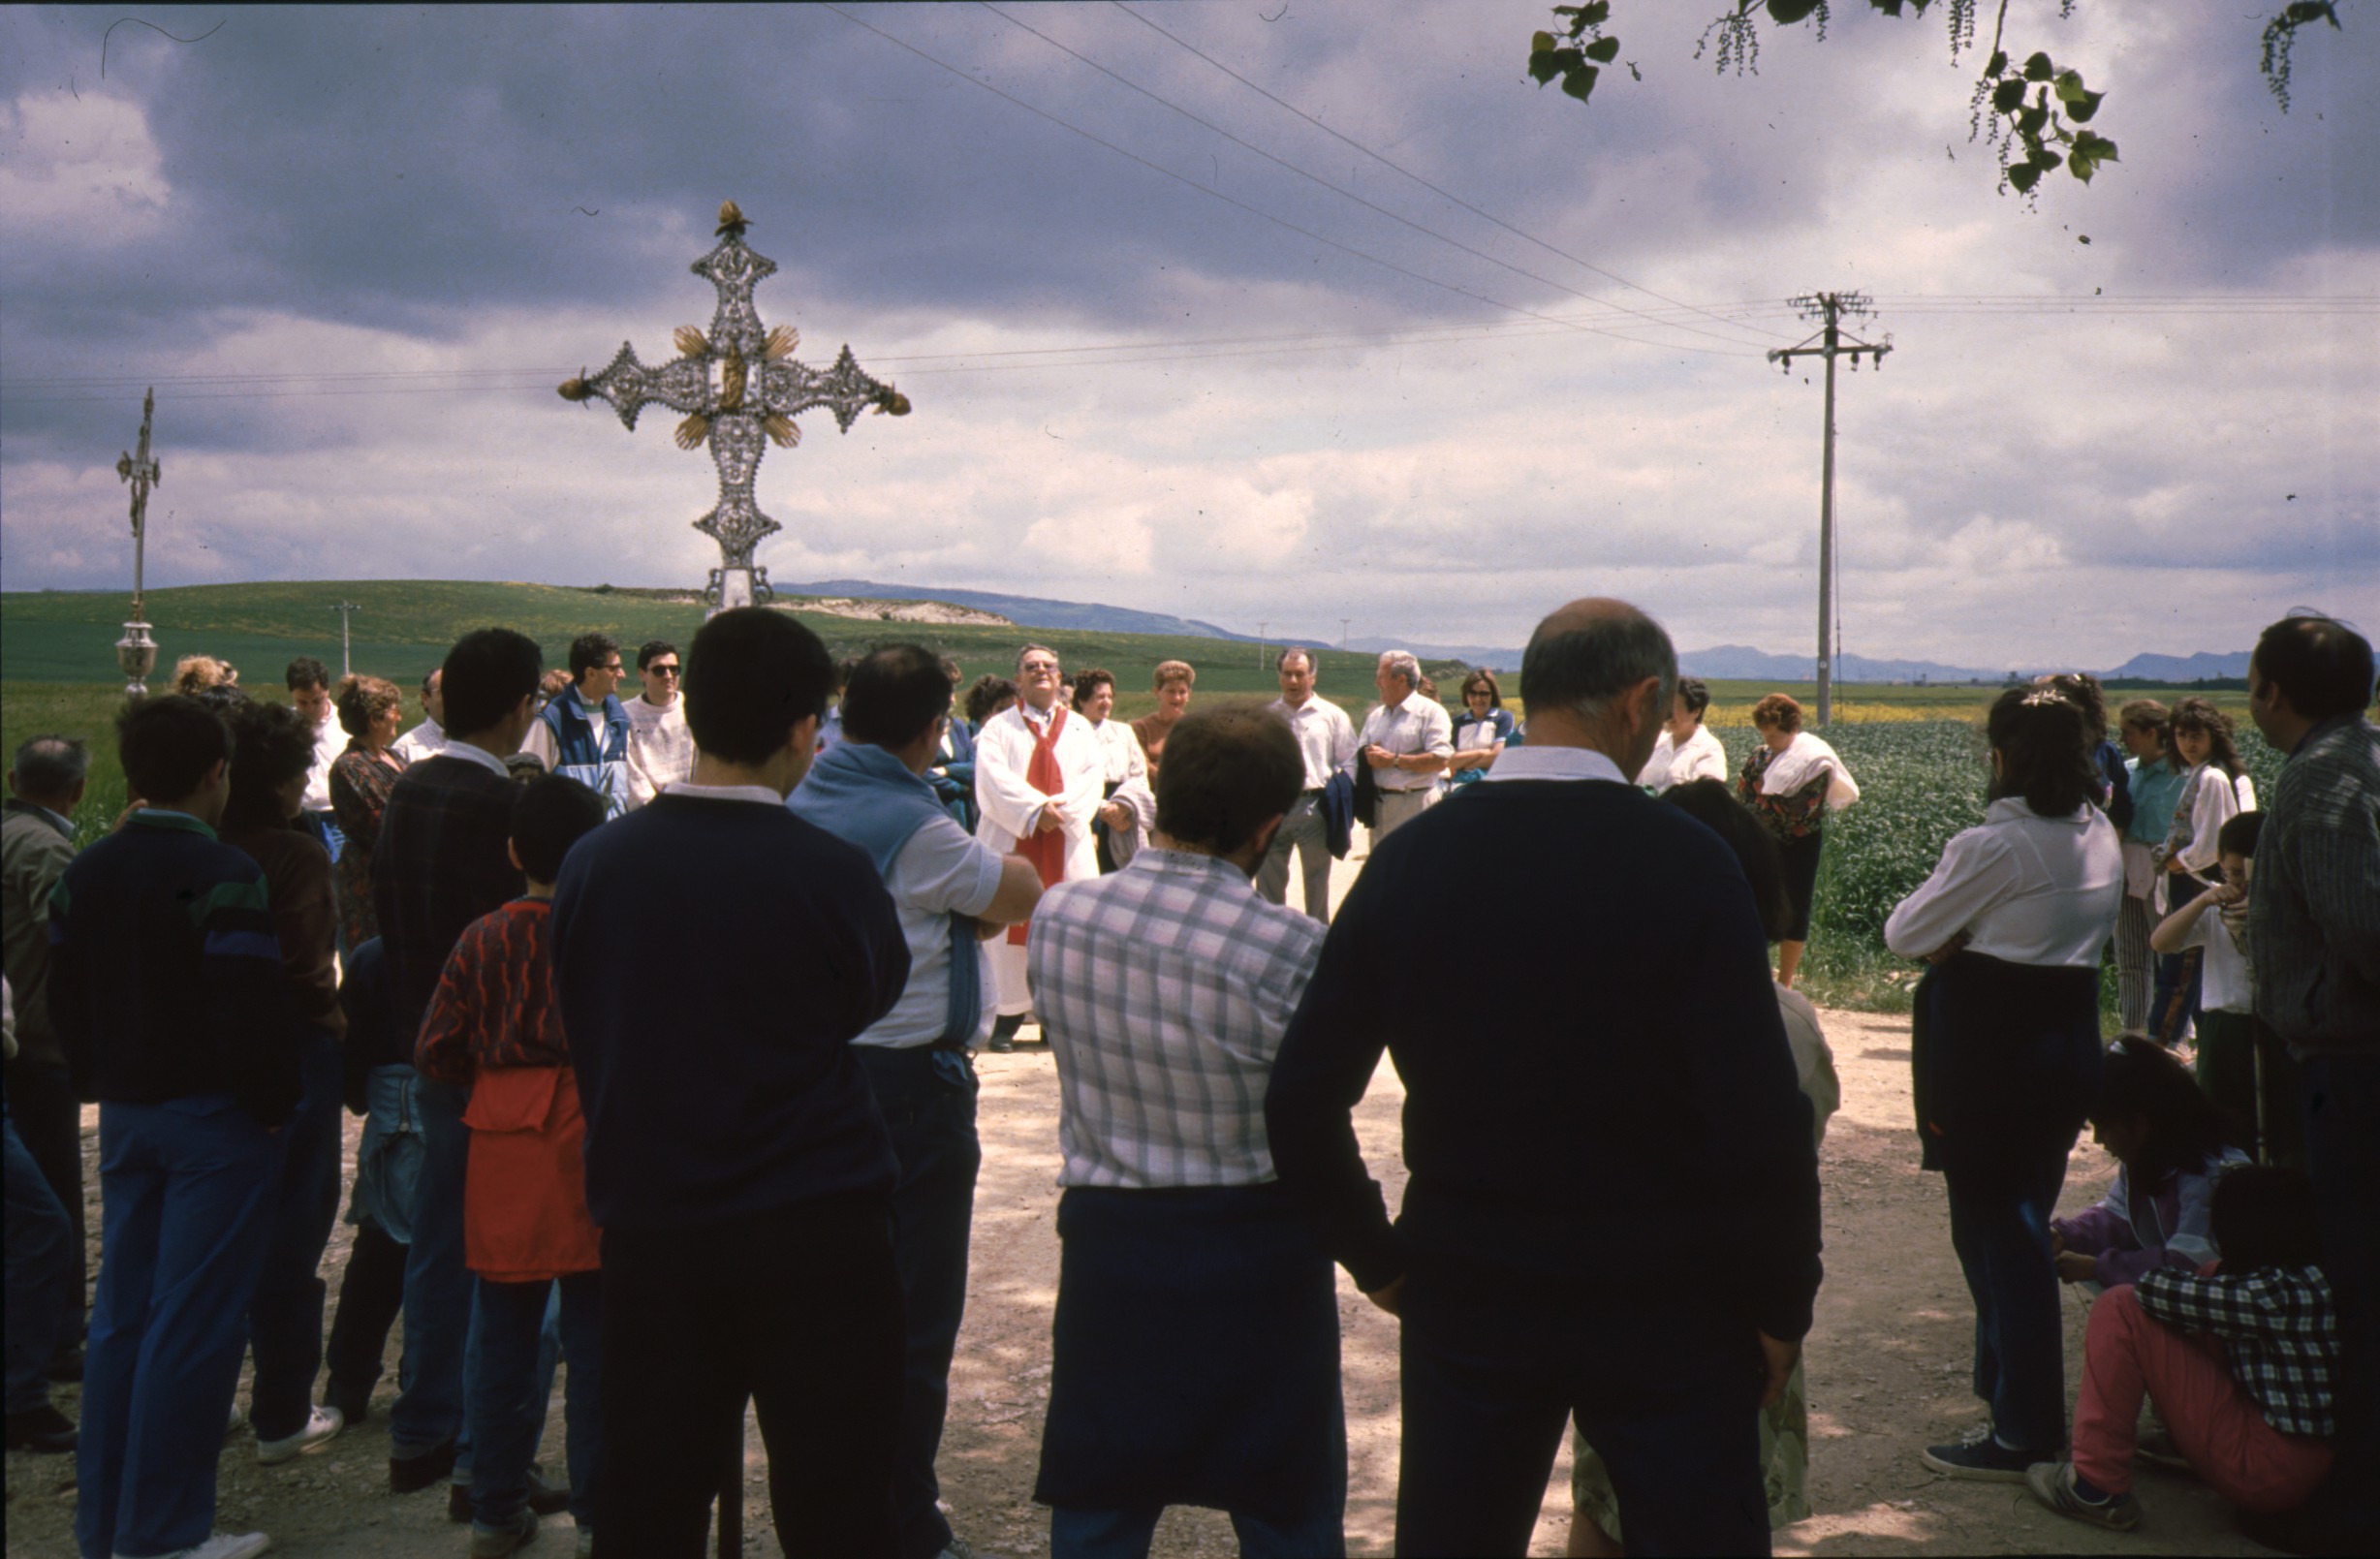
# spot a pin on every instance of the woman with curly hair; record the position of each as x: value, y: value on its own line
x: 1793, y: 780
x: 369, y: 710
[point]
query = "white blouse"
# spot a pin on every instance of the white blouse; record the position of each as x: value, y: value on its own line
x: 2024, y: 889
x: 1701, y: 757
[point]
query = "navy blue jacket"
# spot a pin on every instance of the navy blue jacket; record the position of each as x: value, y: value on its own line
x: 730, y: 1087
x: 1615, y: 1096
x: 165, y: 971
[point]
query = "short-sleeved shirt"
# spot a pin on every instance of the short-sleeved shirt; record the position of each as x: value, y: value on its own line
x: 940, y: 872
x: 2226, y: 986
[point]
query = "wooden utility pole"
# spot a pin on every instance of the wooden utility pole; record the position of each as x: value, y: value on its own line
x: 346, y: 662
x: 1829, y: 343
x: 1260, y: 629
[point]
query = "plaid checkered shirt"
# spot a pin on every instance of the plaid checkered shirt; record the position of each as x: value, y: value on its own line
x: 2280, y: 1326
x: 1165, y: 989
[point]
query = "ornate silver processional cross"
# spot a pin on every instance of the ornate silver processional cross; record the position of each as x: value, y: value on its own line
x: 737, y: 384
x: 136, y: 652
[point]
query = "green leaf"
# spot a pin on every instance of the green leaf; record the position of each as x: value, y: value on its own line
x: 2081, y: 109
x: 2039, y: 68
x: 2081, y: 166
x: 1789, y: 12
x: 2009, y: 95
x: 1596, y: 14
x: 2023, y: 177
x: 1580, y: 81
x: 1541, y: 43
x: 1542, y: 65
x: 1603, y: 50
x: 1998, y: 63
x: 2069, y: 85
x: 2098, y: 147
x: 2030, y: 121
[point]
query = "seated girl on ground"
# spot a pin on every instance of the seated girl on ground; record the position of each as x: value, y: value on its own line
x: 2238, y: 1361
x: 2167, y: 1136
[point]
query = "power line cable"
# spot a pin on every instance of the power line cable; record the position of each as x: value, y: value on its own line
x: 1280, y: 222
x: 1384, y: 162
x: 1345, y: 194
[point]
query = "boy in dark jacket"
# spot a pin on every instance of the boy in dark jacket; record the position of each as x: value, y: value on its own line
x: 165, y: 990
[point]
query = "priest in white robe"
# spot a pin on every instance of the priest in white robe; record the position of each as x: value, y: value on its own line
x: 1040, y: 779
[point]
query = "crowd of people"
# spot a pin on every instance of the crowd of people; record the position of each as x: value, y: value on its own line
x: 661, y: 1015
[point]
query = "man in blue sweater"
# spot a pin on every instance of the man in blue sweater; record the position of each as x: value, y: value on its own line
x: 953, y: 890
x: 167, y: 994
x: 1612, y: 1210
x: 735, y: 1159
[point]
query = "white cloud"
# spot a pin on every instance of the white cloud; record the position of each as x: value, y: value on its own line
x: 83, y: 171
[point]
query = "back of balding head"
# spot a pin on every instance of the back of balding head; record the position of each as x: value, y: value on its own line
x: 1592, y: 650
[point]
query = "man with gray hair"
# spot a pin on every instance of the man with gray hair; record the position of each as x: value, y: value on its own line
x: 1406, y: 740
x: 37, y: 842
x: 1612, y: 1208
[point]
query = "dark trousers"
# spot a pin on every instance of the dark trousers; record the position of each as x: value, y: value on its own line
x: 430, y: 1409
x: 928, y: 1097
x: 371, y: 1296
x: 2249, y: 1073
x: 37, y: 1276
x: 1128, y: 1534
x: 2001, y: 1200
x: 189, y: 1188
x: 286, y: 1317
x: 796, y: 1310
x: 1492, y: 1364
x: 2343, y: 1140
x: 512, y: 1378
x: 41, y: 1097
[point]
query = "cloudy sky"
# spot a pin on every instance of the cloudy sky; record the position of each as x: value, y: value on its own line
x: 1283, y: 314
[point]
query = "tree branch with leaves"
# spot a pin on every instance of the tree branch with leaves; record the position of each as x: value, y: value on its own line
x: 2035, y: 113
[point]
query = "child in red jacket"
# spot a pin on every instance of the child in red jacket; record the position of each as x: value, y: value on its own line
x: 495, y: 1028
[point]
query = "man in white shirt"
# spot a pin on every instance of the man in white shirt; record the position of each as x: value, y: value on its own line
x: 430, y: 737
x: 1039, y: 778
x: 309, y: 693
x: 869, y: 788
x: 1326, y: 740
x: 1686, y: 751
x: 1406, y: 739
x: 660, y: 746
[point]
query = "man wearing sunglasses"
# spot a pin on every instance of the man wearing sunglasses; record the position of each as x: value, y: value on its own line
x: 660, y: 747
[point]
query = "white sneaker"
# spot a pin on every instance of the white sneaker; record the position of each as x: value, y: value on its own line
x: 321, y: 1427
x: 225, y: 1545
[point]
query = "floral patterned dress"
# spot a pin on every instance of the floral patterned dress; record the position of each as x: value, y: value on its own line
x: 359, y: 784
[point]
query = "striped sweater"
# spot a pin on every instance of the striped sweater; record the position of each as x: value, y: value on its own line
x: 495, y: 1003
x: 165, y: 971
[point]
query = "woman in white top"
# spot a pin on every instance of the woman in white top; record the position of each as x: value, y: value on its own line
x: 2004, y: 1045
x: 2216, y: 788
x: 1793, y: 780
x: 1129, y: 809
x: 1687, y: 750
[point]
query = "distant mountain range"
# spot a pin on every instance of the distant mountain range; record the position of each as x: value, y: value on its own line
x: 1726, y: 662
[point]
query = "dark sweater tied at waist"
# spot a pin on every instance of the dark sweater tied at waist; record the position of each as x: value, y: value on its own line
x: 2002, y: 1054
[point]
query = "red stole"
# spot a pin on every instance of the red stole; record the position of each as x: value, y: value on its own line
x: 1046, y: 851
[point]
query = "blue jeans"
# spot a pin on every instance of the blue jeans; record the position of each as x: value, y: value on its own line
x: 188, y: 1187
x: 2000, y: 1206
x: 429, y: 1404
x: 442, y: 1317
x: 1664, y: 1386
x: 2342, y: 1141
x: 928, y: 1098
x: 389, y: 1159
x: 512, y: 1380
x: 40, y: 1240
x: 286, y: 1317
x: 1126, y: 1534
